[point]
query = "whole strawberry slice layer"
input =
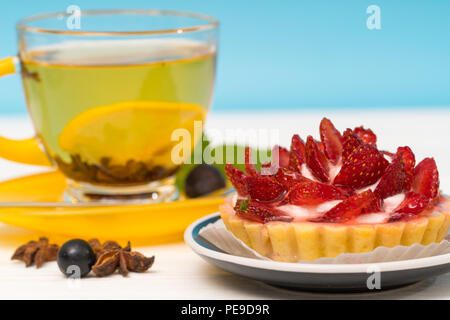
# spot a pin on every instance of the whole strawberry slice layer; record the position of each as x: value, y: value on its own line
x: 297, y: 156
x: 258, y: 212
x: 412, y: 205
x: 308, y: 192
x: 398, y: 174
x: 348, y: 208
x: 264, y: 189
x: 316, y: 160
x: 237, y: 179
x: 332, y: 140
x: 362, y: 168
x: 426, y: 178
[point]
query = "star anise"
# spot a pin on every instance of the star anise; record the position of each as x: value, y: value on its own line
x: 111, y: 256
x: 99, y: 248
x: 36, y: 252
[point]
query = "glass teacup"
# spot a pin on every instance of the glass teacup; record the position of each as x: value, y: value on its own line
x: 107, y: 92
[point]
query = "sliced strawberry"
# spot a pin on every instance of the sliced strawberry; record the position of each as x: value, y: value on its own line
x: 363, y: 167
x: 237, y: 179
x: 310, y: 192
x: 366, y: 135
x: 409, y: 160
x: 348, y: 208
x: 375, y: 206
x: 289, y: 178
x: 320, y: 145
x: 249, y: 164
x: 396, y: 178
x: 258, y: 212
x: 413, y: 204
x: 316, y: 160
x: 350, y: 142
x: 264, y: 189
x: 280, y: 156
x: 426, y: 178
x: 332, y: 140
x: 297, y: 155
x: 393, y: 181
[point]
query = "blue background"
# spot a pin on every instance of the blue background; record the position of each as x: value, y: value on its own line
x: 298, y: 54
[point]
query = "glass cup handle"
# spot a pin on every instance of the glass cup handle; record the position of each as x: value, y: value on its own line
x: 26, y: 151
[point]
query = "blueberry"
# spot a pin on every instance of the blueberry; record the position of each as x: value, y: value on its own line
x: 203, y: 179
x: 76, y: 258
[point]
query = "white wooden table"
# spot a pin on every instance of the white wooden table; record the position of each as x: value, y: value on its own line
x: 178, y: 273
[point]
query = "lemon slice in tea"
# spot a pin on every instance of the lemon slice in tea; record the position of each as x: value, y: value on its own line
x: 138, y: 130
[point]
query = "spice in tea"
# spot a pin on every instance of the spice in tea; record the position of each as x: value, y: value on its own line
x: 27, y: 74
x: 106, y: 173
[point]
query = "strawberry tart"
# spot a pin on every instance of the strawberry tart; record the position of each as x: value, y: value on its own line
x: 339, y: 194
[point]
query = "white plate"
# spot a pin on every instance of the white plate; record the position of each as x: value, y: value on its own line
x: 317, y: 277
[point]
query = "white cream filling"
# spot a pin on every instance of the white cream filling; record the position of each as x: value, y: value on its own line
x: 389, y: 205
x: 310, y: 212
x: 369, y: 218
x: 234, y: 199
x: 371, y: 187
x: 307, y: 173
x: 300, y: 213
x: 324, y: 207
x: 333, y: 172
x: 393, y: 202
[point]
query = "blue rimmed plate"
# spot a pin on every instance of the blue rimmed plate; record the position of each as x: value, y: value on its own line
x: 317, y: 277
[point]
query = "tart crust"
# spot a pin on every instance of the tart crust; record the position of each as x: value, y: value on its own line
x: 307, y: 241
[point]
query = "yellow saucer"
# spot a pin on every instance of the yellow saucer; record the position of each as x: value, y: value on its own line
x: 145, y: 223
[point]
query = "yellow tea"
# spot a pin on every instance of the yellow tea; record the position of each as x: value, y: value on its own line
x: 105, y: 111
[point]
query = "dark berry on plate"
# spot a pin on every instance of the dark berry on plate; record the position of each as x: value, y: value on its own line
x: 76, y: 258
x: 202, y: 180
